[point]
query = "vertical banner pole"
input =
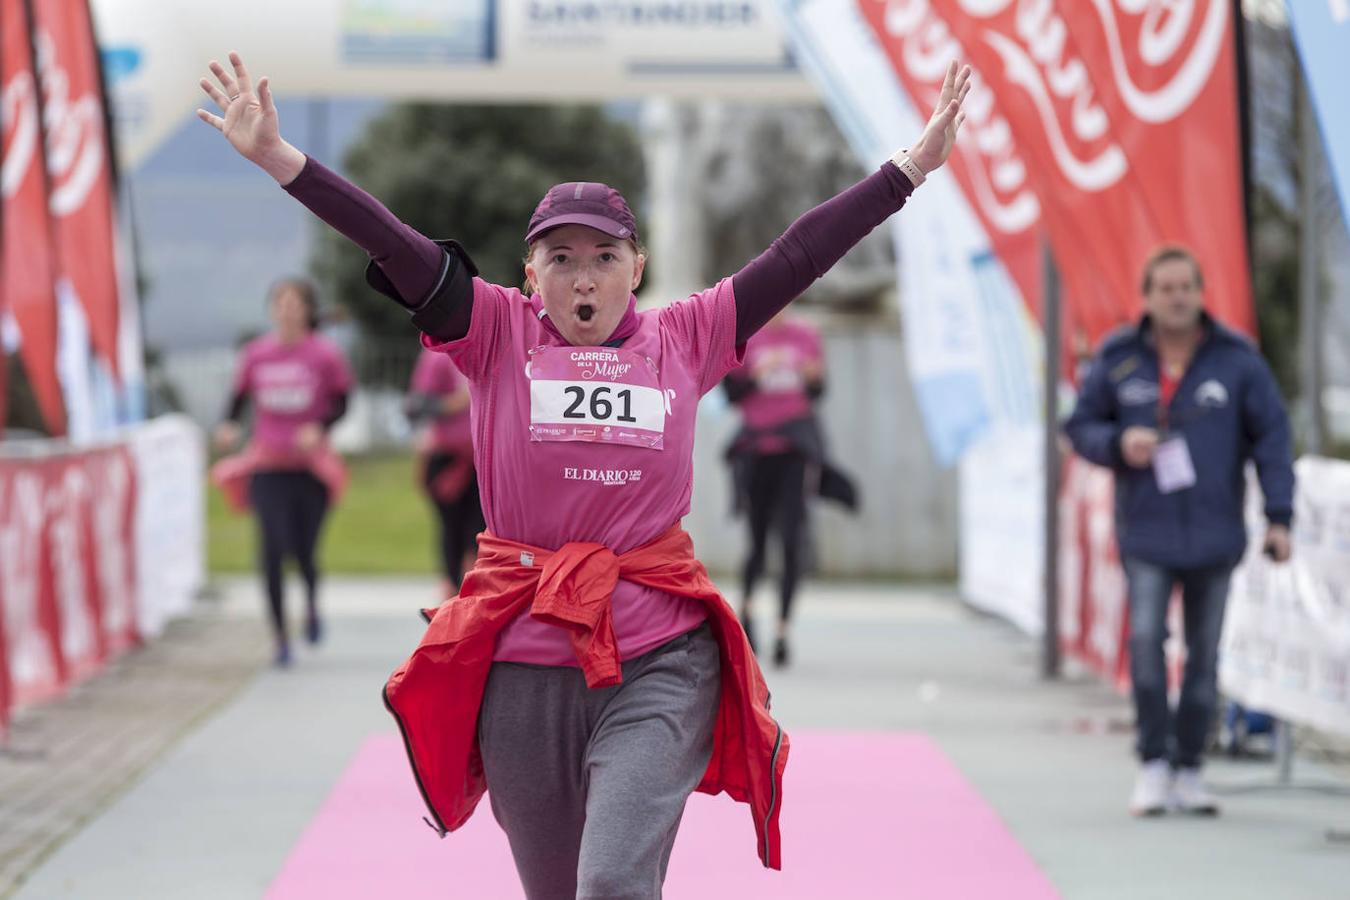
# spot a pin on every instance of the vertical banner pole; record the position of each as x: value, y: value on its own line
x: 1050, y: 653
x: 1310, y: 340
x: 1309, y: 295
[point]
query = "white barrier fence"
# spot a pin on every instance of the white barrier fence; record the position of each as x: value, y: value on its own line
x: 1286, y: 643
x: 170, y: 455
x: 99, y: 547
x: 1002, y: 526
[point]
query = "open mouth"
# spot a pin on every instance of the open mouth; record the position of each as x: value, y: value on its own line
x: 585, y: 312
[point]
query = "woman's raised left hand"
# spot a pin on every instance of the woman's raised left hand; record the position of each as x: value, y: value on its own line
x: 935, y: 144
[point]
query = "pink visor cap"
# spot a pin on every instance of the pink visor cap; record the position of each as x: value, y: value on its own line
x: 587, y: 203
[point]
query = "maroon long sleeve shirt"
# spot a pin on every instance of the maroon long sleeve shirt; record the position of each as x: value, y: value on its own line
x: 432, y: 279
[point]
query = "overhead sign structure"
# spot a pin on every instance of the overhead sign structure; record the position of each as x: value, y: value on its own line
x: 449, y: 50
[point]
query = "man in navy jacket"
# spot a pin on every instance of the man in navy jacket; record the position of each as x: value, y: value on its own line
x: 1175, y: 406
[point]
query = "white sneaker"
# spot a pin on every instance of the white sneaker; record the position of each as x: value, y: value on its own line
x: 1151, y: 789
x: 1190, y: 796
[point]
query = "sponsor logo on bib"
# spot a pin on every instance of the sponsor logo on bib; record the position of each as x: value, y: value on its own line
x: 608, y: 477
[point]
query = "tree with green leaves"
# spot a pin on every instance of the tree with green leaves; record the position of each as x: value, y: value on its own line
x: 475, y: 174
x: 1280, y: 170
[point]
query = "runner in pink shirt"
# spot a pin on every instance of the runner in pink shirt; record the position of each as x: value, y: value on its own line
x: 778, y: 456
x: 583, y: 418
x: 439, y: 397
x: 297, y: 384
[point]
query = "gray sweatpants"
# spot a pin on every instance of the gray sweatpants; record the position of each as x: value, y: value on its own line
x: 589, y: 785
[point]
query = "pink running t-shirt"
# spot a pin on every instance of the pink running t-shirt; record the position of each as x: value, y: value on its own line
x: 289, y: 385
x: 779, y: 357
x: 435, y: 374
x: 591, y: 444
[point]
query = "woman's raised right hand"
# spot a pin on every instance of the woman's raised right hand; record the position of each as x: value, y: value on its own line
x: 250, y: 121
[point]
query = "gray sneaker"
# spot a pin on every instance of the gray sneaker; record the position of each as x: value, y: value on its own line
x: 1190, y: 796
x: 1150, y: 794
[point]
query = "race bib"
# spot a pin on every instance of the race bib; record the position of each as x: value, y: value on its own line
x: 283, y: 387
x: 1173, y: 469
x: 285, y: 398
x: 777, y: 370
x: 780, y: 380
x: 605, y: 395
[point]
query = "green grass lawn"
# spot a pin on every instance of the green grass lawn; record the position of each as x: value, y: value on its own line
x: 383, y: 525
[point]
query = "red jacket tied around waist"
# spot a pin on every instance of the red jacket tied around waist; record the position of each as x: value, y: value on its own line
x: 436, y: 694
x: 233, y: 474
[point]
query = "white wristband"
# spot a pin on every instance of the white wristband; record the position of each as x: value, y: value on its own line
x: 908, y: 166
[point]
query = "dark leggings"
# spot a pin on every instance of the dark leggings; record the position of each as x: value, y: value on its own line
x: 290, y: 507
x: 777, y: 498
x: 461, y: 519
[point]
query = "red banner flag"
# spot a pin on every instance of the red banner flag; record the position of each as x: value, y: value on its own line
x: 987, y: 162
x: 79, y: 164
x: 1166, y: 74
x: 27, y: 261
x: 920, y: 42
x: 1106, y: 156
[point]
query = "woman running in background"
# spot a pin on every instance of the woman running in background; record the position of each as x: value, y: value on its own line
x: 588, y: 672
x: 439, y: 397
x: 777, y: 455
x: 297, y: 384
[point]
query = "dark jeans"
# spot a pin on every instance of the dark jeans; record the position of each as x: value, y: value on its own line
x: 777, y: 501
x: 1163, y: 734
x: 460, y: 519
x: 290, y: 507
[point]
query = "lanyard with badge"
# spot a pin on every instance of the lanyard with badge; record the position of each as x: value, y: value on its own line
x: 605, y: 395
x: 1173, y: 468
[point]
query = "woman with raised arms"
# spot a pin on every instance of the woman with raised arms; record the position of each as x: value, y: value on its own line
x: 588, y: 672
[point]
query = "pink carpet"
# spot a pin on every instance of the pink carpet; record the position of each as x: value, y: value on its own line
x: 866, y: 816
